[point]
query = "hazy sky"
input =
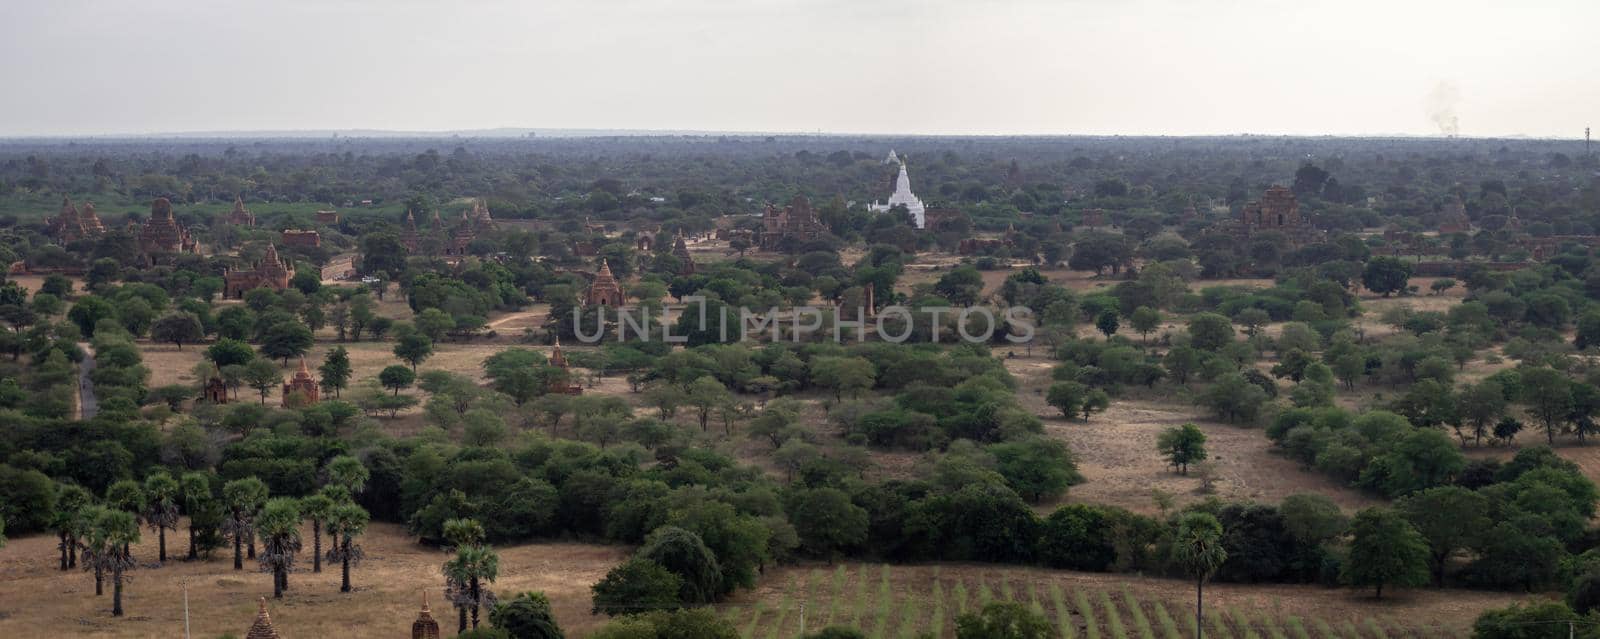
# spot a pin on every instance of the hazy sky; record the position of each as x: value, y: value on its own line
x: 846, y: 66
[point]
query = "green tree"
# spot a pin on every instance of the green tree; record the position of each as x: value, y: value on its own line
x: 468, y: 573
x: 827, y: 521
x: 244, y: 498
x: 335, y: 370
x: 413, y: 348
x: 196, y: 490
x: 1385, y: 550
x: 1233, y: 398
x: 1548, y: 395
x: 843, y: 375
x: 1067, y: 397
x: 286, y: 339
x: 262, y: 375
x: 316, y: 507
x: 636, y: 585
x: 396, y: 378
x: 706, y: 394
x: 1197, y: 550
x: 161, y: 493
x: 230, y: 352
x: 527, y: 616
x: 1003, y: 620
x: 1182, y: 445
x: 1449, y: 518
x: 177, y: 328
x: 113, y: 533
x: 1210, y: 331
x: 1145, y: 320
x: 278, y: 525
x: 684, y: 554
x: 346, y: 522
x: 1107, y: 322
x: 1386, y: 275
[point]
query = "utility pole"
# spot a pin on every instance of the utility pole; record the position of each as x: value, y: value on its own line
x: 802, y: 618
x: 1586, y: 140
x: 185, y: 586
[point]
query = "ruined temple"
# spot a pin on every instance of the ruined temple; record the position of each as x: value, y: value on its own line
x: 271, y: 272
x: 303, y: 238
x: 240, y: 215
x: 1276, y: 211
x: 71, y: 225
x: 461, y: 236
x: 300, y: 390
x: 327, y: 218
x: 162, y: 236
x: 603, y: 290
x: 216, y: 388
x: 796, y: 221
x: 680, y: 250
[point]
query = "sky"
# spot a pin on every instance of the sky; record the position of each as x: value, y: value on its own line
x: 958, y: 67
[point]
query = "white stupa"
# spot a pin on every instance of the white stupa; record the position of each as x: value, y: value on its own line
x: 902, y: 195
x: 892, y: 158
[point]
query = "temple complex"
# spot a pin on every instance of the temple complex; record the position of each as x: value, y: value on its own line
x: 1276, y: 211
x: 300, y: 390
x: 604, y: 290
x: 162, y: 235
x: 473, y: 221
x: 563, y: 386
x: 303, y: 238
x: 271, y: 272
x: 680, y: 250
x: 903, y: 196
x: 70, y: 225
x: 796, y: 221
x: 240, y: 215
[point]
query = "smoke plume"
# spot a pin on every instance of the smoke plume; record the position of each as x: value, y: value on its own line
x: 1441, y: 105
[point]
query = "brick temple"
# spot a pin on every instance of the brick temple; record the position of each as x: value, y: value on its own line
x: 162, y: 236
x: 604, y: 290
x: 796, y: 221
x: 271, y: 272
x: 70, y: 224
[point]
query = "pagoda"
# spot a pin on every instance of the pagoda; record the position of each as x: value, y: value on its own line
x: 262, y: 628
x: 216, y: 388
x: 424, y: 627
x: 240, y: 215
x: 462, y: 236
x: 271, y: 272
x: 604, y: 290
x: 410, y: 239
x: 162, y: 235
x: 680, y: 250
x: 903, y: 196
x: 69, y: 225
x: 796, y: 221
x: 301, y: 390
x: 563, y: 385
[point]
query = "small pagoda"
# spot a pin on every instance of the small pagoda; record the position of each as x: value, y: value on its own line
x: 262, y: 628
x: 680, y: 250
x: 604, y: 290
x: 410, y: 238
x: 424, y: 627
x: 240, y: 216
x: 301, y: 390
x: 563, y: 386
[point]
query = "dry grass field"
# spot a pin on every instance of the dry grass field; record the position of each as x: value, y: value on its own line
x: 37, y: 601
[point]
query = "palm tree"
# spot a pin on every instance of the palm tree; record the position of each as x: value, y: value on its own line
x: 127, y: 496
x: 279, y: 528
x: 114, y: 532
x: 316, y: 508
x: 466, y: 573
x: 244, y: 498
x: 161, y: 507
x: 346, y: 522
x: 1197, y: 549
x: 348, y: 472
x: 196, y: 489
x: 67, y: 521
x: 94, y: 545
x: 338, y: 495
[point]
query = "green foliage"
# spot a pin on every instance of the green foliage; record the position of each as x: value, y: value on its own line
x: 1003, y: 620
x: 527, y: 616
x: 1385, y: 550
x: 1182, y: 445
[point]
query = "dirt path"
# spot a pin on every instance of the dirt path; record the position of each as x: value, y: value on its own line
x: 88, y: 405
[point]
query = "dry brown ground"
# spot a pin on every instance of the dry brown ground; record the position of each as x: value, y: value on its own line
x: 36, y: 600
x: 1116, y: 452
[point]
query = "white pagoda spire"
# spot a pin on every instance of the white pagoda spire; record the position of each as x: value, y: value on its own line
x: 903, y: 195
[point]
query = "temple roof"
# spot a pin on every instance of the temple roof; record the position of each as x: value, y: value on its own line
x: 262, y: 628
